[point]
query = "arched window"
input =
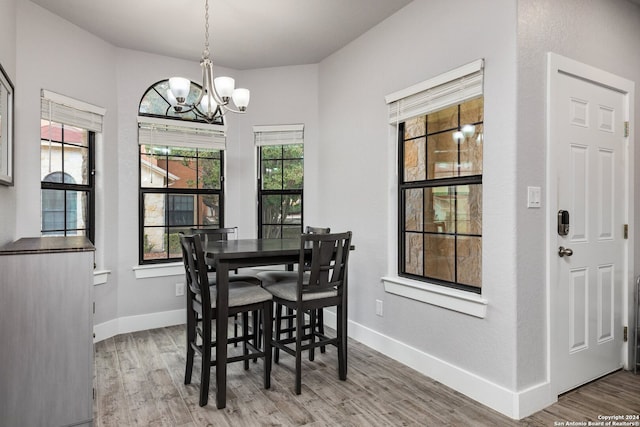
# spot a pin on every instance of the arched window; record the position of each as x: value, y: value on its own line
x: 155, y: 103
x: 181, y: 161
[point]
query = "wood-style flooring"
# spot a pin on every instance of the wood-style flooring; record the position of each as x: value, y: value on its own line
x: 139, y: 381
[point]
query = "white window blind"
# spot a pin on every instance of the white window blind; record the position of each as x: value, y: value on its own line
x: 278, y: 134
x: 153, y: 131
x: 62, y: 109
x: 450, y: 88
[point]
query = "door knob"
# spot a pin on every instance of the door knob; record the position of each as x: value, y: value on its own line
x: 562, y: 251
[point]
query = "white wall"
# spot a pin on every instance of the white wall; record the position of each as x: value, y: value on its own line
x: 357, y: 182
x: 281, y: 95
x: 8, y: 62
x: 55, y: 55
x: 603, y: 34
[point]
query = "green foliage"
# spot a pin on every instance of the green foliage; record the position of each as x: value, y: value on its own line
x: 174, y: 243
x: 282, y: 169
x: 148, y: 247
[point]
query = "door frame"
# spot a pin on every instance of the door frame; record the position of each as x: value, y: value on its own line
x: 557, y: 64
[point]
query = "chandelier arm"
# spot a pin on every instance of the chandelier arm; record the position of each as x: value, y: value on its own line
x: 210, y: 83
x: 197, y: 101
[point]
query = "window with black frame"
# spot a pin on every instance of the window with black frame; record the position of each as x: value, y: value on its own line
x: 441, y: 195
x: 440, y: 165
x: 67, y: 180
x: 181, y: 164
x: 280, y: 181
x: 180, y: 188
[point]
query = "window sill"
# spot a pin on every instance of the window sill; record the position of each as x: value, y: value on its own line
x: 452, y: 299
x: 158, y: 270
x: 100, y: 277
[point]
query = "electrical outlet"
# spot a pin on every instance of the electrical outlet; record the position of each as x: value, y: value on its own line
x: 379, y: 307
x: 179, y: 289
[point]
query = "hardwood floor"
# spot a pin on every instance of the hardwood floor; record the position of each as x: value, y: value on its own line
x: 139, y: 381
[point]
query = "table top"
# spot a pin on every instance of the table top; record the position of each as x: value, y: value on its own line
x: 242, y: 248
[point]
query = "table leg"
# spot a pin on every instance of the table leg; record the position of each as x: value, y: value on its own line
x: 222, y: 316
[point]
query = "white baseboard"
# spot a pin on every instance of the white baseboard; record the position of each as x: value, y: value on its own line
x: 139, y: 322
x: 513, y: 404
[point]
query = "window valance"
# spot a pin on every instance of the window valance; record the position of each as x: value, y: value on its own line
x: 278, y: 134
x: 450, y: 88
x: 156, y: 131
x: 63, y: 109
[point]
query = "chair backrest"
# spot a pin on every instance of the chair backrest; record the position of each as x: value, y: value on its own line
x: 317, y: 230
x: 214, y: 234
x: 327, y: 267
x: 195, y: 267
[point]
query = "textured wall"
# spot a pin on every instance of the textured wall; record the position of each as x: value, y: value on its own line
x: 421, y: 41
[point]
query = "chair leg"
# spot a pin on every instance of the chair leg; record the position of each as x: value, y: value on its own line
x: 299, y: 333
x: 245, y: 335
x: 256, y: 323
x: 206, y: 363
x: 235, y: 328
x: 341, y: 330
x: 267, y: 320
x: 312, y: 332
x: 276, y: 350
x: 320, y: 319
x: 191, y: 337
x: 290, y: 322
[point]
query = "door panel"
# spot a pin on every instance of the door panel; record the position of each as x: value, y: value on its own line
x: 589, y: 148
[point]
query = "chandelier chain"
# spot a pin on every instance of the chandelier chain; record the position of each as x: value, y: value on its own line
x: 205, y: 52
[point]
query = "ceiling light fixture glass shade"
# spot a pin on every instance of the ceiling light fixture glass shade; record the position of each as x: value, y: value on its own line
x: 216, y: 93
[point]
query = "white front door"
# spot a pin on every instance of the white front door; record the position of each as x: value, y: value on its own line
x: 589, y: 263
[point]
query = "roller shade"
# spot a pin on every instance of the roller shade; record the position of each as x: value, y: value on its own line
x: 153, y: 131
x: 278, y: 134
x: 450, y: 88
x: 62, y: 109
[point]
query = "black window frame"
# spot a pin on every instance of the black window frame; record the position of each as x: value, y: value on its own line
x: 279, y: 192
x: 430, y: 183
x: 88, y: 188
x: 167, y: 192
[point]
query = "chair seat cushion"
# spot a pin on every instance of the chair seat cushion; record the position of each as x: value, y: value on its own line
x: 271, y: 277
x: 240, y: 293
x: 289, y: 291
x: 248, y: 278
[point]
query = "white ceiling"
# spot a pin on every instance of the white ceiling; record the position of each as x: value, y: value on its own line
x: 245, y: 34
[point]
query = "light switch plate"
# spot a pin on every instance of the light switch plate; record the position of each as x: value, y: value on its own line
x: 533, y: 197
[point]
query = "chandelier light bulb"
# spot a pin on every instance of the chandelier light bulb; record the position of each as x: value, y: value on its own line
x: 241, y: 98
x: 179, y: 87
x: 224, y: 87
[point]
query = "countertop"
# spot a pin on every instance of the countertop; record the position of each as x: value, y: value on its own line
x: 43, y: 245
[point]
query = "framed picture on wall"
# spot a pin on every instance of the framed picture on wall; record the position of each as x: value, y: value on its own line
x: 6, y: 129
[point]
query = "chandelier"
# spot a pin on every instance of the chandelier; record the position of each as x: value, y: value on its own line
x: 216, y: 93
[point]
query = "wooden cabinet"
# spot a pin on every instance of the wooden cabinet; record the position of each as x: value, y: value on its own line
x: 46, y: 328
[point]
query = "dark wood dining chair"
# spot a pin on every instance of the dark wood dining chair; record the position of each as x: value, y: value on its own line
x: 316, y: 316
x: 321, y: 283
x: 201, y: 311
x: 212, y: 234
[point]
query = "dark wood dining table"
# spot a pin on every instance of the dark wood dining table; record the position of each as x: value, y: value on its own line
x: 227, y: 255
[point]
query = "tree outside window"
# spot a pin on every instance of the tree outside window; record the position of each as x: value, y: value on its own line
x: 280, y: 191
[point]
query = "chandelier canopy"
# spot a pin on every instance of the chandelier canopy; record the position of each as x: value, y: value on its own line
x: 216, y: 92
